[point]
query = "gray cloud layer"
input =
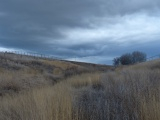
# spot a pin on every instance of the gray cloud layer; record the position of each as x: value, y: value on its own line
x: 86, y: 29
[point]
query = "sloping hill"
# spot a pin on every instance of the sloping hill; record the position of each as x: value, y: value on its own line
x: 24, y: 72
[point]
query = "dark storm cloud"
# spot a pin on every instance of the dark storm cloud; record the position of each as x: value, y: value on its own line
x: 27, y: 20
x: 79, y: 28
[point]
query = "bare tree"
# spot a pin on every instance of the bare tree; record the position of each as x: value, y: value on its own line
x: 138, y: 57
x: 127, y: 59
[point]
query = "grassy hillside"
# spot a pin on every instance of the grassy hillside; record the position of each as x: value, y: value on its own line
x: 127, y: 93
x: 21, y: 72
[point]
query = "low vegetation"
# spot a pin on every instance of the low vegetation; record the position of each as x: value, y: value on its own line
x: 127, y: 93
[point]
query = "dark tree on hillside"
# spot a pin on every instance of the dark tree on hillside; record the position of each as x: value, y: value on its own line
x: 126, y: 59
x: 138, y: 57
x: 116, y: 61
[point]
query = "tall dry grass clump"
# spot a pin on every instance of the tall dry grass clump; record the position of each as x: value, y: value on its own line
x: 16, y: 81
x: 40, y: 104
x: 48, y: 103
x: 128, y: 94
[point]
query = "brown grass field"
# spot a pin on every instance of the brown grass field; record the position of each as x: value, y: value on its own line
x: 33, y: 92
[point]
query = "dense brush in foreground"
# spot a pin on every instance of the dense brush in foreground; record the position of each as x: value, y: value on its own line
x: 130, y: 93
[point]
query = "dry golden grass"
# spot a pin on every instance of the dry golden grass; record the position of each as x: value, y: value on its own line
x: 146, y: 65
x: 47, y: 103
x: 61, y: 64
x: 39, y: 104
x: 129, y: 93
x: 16, y: 81
x: 57, y: 71
x: 150, y: 110
x: 84, y: 80
x: 21, y: 72
x: 66, y: 69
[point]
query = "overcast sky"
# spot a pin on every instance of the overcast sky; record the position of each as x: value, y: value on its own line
x: 83, y: 30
